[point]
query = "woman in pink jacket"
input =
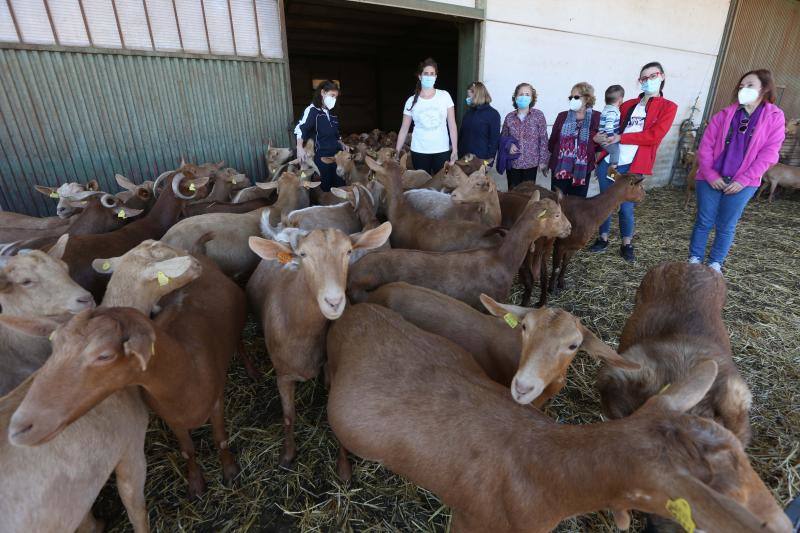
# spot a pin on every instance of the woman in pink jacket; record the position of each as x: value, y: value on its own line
x: 740, y: 143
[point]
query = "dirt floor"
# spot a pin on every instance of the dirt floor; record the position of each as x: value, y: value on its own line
x: 762, y: 314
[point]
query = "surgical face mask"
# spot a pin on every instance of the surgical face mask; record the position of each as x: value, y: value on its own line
x: 523, y: 101
x: 329, y: 101
x: 747, y: 95
x: 468, y: 100
x: 575, y: 104
x: 651, y: 86
x: 427, y: 82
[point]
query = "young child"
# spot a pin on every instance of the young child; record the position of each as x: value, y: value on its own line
x: 609, y: 120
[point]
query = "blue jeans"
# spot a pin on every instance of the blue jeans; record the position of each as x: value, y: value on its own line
x: 625, y: 210
x: 721, y: 212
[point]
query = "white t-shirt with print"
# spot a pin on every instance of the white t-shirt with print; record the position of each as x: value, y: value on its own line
x: 636, y: 124
x: 430, y: 134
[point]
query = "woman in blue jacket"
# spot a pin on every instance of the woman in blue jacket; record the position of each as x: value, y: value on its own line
x: 320, y: 124
x: 480, y: 127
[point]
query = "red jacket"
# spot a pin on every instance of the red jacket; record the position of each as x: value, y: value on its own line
x: 660, y: 115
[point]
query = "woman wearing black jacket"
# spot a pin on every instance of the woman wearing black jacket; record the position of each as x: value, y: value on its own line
x: 320, y: 124
x: 480, y: 127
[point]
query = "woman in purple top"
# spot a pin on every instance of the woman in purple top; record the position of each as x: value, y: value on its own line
x: 739, y: 144
x: 572, y: 146
x: 528, y: 128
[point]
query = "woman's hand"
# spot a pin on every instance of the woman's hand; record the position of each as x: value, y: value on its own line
x: 453, y: 156
x: 718, y: 184
x: 733, y: 187
x: 513, y: 149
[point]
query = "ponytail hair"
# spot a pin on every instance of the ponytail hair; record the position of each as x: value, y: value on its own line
x: 429, y: 62
x: 325, y: 85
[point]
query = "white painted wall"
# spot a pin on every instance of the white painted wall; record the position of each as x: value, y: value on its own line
x: 554, y: 44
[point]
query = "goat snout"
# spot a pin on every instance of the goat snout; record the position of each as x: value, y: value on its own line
x: 83, y: 302
x: 524, y: 391
x: 332, y: 304
x: 340, y: 172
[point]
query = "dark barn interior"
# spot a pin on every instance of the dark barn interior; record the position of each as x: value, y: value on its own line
x: 372, y: 51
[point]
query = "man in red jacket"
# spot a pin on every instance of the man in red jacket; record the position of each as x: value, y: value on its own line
x: 644, y: 123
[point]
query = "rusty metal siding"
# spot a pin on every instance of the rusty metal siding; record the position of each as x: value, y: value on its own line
x: 765, y: 34
x: 72, y: 116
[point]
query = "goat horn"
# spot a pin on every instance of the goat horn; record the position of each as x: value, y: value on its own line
x: 158, y: 181
x: 108, y: 200
x: 6, y: 250
x: 176, y: 183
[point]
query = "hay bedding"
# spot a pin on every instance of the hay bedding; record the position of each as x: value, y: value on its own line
x: 762, y: 314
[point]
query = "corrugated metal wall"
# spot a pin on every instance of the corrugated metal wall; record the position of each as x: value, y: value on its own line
x: 765, y: 34
x: 67, y: 116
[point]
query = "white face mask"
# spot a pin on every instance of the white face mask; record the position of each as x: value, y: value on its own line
x: 747, y: 95
x: 329, y: 101
x: 574, y: 105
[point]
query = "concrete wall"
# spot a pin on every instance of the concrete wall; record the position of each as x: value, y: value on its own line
x: 554, y: 44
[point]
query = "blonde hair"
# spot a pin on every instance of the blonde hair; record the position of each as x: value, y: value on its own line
x: 516, y: 90
x: 480, y: 93
x: 587, y: 91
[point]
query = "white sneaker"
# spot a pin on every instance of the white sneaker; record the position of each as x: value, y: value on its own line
x: 694, y: 260
x: 716, y: 266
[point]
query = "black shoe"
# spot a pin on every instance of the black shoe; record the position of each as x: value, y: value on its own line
x: 599, y: 245
x: 626, y: 251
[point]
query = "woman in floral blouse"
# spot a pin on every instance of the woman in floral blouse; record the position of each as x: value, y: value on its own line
x: 528, y: 129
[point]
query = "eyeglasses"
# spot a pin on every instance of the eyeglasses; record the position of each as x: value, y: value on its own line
x: 743, y: 124
x: 574, y: 97
x: 652, y: 76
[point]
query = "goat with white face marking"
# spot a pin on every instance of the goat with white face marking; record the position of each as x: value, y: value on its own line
x: 65, y: 194
x: 296, y: 289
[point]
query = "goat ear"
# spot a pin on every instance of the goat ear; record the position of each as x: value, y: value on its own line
x: 47, y: 191
x: 57, y: 250
x: 637, y: 180
x: 559, y: 196
x: 373, y: 165
x: 682, y: 396
x: 33, y: 326
x: 339, y: 193
x: 497, y: 309
x: 373, y: 238
x: 602, y: 351
x: 174, y: 267
x: 311, y: 184
x: 125, y: 212
x: 268, y: 249
x: 141, y: 342
x: 93, y: 185
x: 143, y: 193
x: 535, y: 197
x: 268, y: 185
x: 124, y: 182
x: 105, y: 266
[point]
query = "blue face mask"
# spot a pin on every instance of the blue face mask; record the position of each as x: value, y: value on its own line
x: 427, y: 82
x: 468, y: 100
x: 651, y: 86
x: 523, y: 101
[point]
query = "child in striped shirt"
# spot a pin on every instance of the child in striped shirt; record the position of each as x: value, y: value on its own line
x: 609, y: 120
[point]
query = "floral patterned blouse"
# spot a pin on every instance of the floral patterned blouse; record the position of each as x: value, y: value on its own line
x: 531, y: 132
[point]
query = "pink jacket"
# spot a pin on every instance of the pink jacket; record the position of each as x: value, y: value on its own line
x: 762, y: 152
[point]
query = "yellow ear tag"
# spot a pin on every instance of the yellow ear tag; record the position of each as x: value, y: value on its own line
x: 50, y: 338
x: 485, y: 163
x: 664, y: 388
x: 511, y: 320
x: 284, y: 257
x: 302, y: 175
x: 682, y: 513
x: 106, y: 265
x: 192, y: 187
x: 162, y: 279
x: 54, y: 194
x: 543, y: 213
x: 121, y: 214
x: 233, y: 181
x: 152, y: 348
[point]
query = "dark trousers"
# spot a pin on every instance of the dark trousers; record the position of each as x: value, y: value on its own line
x: 430, y: 163
x: 569, y: 189
x: 327, y: 175
x: 515, y: 176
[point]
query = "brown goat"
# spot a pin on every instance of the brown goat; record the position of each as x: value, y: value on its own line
x: 135, y: 196
x: 79, y: 251
x: 550, y: 340
x: 296, y: 289
x: 785, y: 176
x: 420, y: 405
x: 478, y: 188
x: 675, y: 326
x: 183, y: 376
x: 292, y: 191
x: 464, y: 275
x: 414, y: 230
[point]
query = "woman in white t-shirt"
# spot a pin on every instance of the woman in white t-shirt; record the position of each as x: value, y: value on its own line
x: 435, y: 139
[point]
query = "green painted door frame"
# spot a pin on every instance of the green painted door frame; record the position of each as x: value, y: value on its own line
x: 469, y: 47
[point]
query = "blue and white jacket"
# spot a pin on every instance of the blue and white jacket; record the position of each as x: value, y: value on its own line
x: 322, y: 126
